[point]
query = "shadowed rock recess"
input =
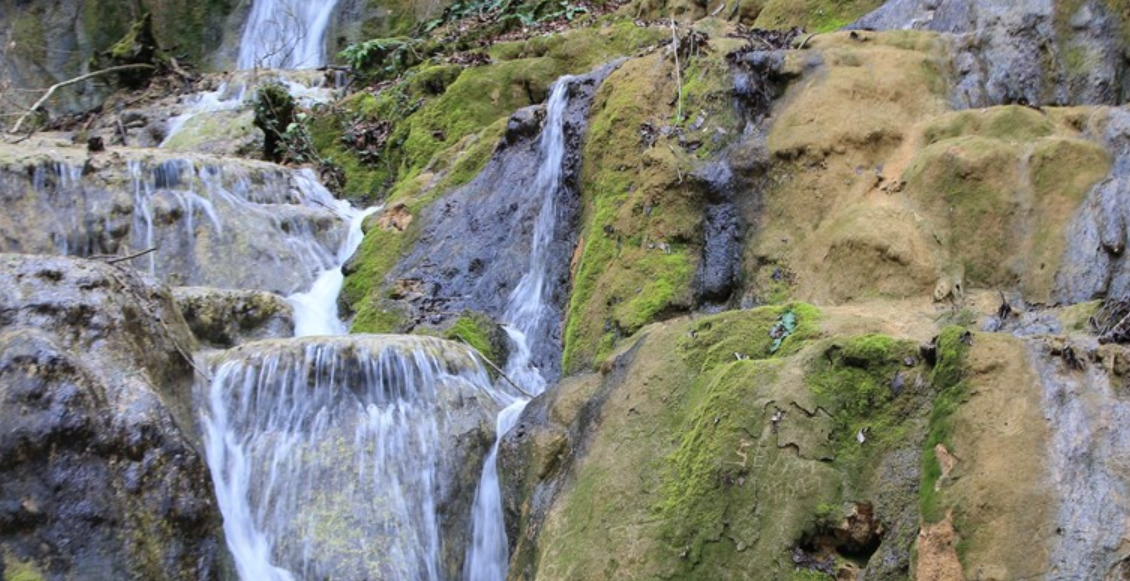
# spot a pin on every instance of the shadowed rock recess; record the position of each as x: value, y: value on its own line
x: 789, y: 290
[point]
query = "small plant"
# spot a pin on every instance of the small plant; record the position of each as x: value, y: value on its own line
x: 286, y: 133
x: 383, y: 58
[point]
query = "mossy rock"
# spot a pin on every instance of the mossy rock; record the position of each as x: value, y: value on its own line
x: 641, y: 242
x: 442, y: 142
x: 1001, y: 185
x: 706, y: 456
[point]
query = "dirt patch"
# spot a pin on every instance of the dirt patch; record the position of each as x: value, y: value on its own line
x: 937, y: 552
x: 999, y: 488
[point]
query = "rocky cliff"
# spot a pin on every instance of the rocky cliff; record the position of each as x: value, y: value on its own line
x: 835, y: 290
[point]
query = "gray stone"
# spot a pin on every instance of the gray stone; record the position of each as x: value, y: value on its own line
x: 100, y: 470
x: 1009, y: 52
x: 225, y: 318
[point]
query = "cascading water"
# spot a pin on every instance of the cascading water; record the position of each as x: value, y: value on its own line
x: 285, y: 34
x: 327, y: 455
x: 315, y: 311
x: 289, y: 224
x: 488, y: 555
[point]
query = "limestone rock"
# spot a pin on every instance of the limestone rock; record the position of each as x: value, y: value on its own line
x: 100, y: 470
x: 225, y: 318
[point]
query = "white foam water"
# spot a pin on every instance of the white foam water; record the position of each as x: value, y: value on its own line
x: 488, y: 554
x: 285, y: 34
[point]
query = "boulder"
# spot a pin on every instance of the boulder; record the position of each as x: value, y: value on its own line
x: 100, y: 470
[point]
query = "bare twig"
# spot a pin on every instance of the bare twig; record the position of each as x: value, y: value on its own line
x: 128, y: 258
x: 51, y: 90
x: 498, y: 371
x: 678, y: 72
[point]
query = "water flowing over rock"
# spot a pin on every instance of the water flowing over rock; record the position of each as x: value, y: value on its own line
x: 316, y: 310
x: 347, y: 457
x: 239, y: 225
x: 529, y: 304
x: 285, y: 34
x: 1035, y: 51
x: 476, y: 247
x: 100, y: 474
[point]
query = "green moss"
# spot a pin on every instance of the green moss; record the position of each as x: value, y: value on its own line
x: 1008, y: 123
x: 17, y: 570
x: 813, y: 15
x: 729, y: 354
x: 948, y: 379
x: 703, y: 483
x: 478, y: 331
x: 809, y: 575
x: 434, y: 108
x: 853, y: 382
x: 722, y: 338
x: 1067, y: 168
x: 970, y: 184
x: 190, y: 30
x: 642, y: 224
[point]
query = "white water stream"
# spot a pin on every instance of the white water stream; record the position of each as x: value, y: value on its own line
x: 285, y: 34
x: 488, y: 556
x: 327, y: 452
x: 315, y: 310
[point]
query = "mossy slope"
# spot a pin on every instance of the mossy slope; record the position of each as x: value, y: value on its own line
x: 711, y: 456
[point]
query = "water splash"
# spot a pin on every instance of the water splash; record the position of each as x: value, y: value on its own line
x: 315, y: 310
x: 285, y: 34
x: 224, y: 98
x: 327, y: 454
x: 488, y: 555
x: 188, y: 210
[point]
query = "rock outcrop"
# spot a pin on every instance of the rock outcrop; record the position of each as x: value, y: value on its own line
x: 208, y: 221
x: 102, y: 474
x: 226, y: 318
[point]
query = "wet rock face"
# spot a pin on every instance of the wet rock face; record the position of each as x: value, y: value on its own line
x: 51, y: 41
x: 1087, y: 409
x: 475, y: 243
x: 1095, y: 263
x: 225, y: 224
x: 99, y: 471
x: 1035, y: 51
x: 225, y: 318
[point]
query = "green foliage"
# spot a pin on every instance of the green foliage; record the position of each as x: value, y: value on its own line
x: 949, y: 381
x: 286, y: 132
x: 505, y: 15
x: 385, y: 58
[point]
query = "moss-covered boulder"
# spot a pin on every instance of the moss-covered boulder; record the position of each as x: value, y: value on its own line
x: 700, y: 451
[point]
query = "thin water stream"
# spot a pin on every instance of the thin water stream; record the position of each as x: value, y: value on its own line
x: 488, y: 556
x: 285, y: 34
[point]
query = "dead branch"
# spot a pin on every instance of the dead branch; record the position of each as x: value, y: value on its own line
x: 130, y: 257
x: 51, y: 90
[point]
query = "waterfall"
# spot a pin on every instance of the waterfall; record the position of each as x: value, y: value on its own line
x: 488, y: 555
x: 315, y: 310
x: 327, y: 454
x: 285, y: 34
